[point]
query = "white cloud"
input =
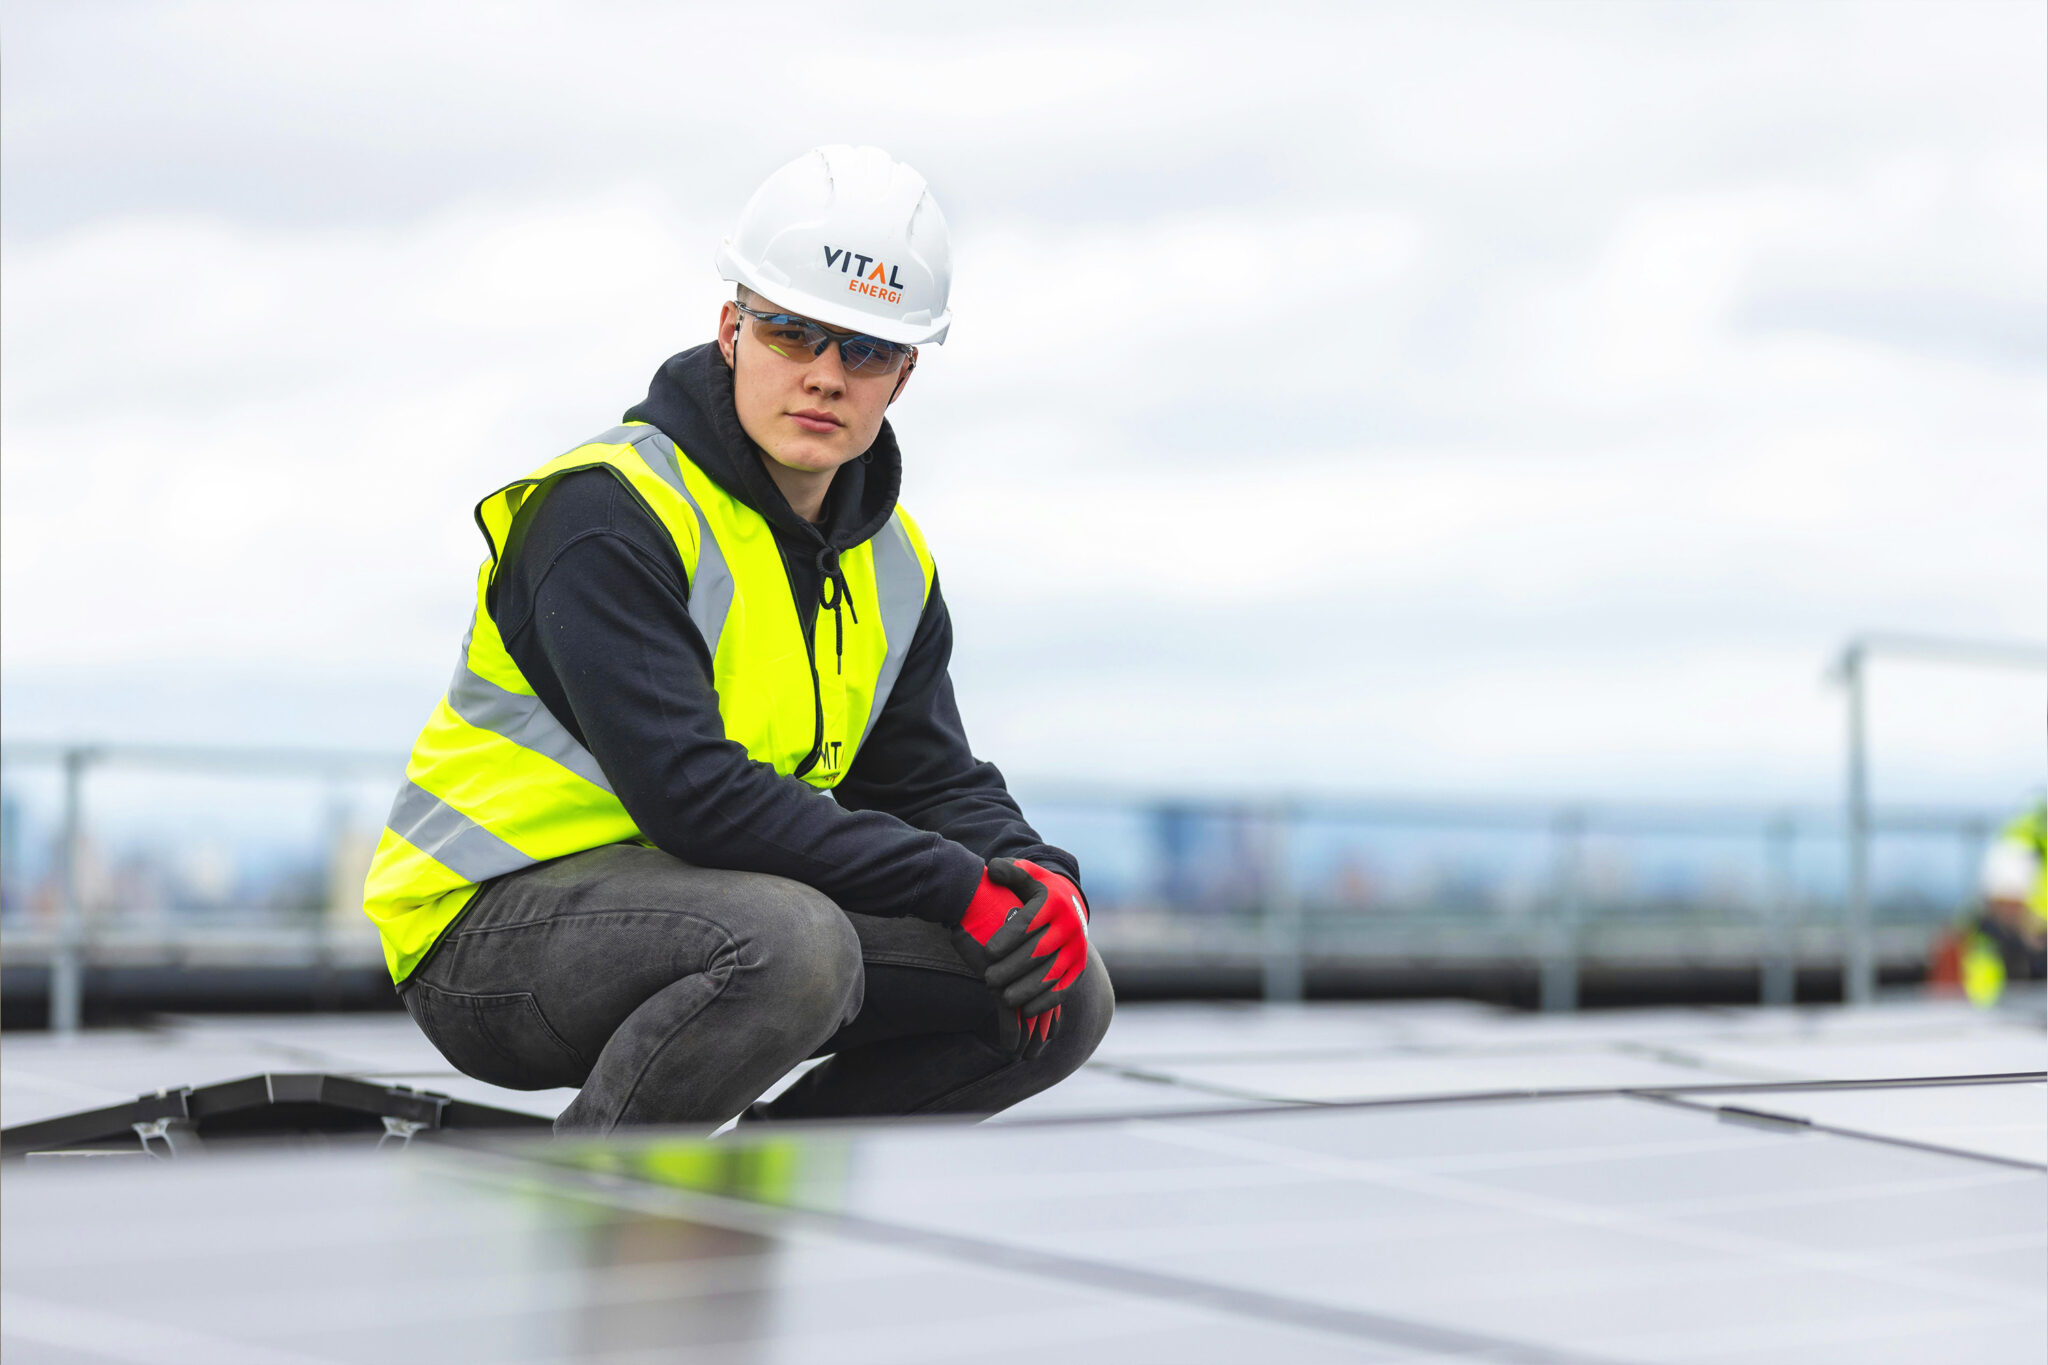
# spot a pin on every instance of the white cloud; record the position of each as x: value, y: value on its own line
x: 1430, y: 396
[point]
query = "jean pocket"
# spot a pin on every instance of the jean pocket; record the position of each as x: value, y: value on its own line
x: 498, y: 1039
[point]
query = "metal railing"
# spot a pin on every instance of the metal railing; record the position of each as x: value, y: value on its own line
x: 1250, y: 880
x: 1782, y: 921
x: 67, y: 961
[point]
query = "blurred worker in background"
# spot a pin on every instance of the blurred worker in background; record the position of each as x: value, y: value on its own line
x: 698, y: 804
x: 2007, y: 939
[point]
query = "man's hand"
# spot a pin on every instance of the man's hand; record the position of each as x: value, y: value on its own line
x: 1011, y: 926
x: 1058, y: 947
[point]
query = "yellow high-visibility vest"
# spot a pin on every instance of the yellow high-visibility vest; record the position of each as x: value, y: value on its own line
x: 2030, y: 832
x: 1983, y: 969
x: 495, y: 783
x: 1982, y: 961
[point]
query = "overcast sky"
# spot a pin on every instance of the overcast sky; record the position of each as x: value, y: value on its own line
x: 1423, y: 397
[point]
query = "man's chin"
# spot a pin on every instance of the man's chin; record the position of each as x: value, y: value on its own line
x: 809, y: 458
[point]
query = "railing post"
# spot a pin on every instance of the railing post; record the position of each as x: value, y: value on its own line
x: 1558, y: 971
x: 1778, y: 975
x: 1975, y: 835
x: 67, y: 964
x: 1859, y: 955
x: 1280, y: 917
x: 1859, y: 948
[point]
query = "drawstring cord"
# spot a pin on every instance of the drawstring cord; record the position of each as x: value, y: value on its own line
x: 833, y: 593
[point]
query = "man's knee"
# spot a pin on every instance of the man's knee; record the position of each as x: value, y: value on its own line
x: 800, y: 951
x: 1086, y: 1008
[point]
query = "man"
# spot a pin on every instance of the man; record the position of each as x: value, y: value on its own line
x: 698, y: 804
x: 2007, y: 938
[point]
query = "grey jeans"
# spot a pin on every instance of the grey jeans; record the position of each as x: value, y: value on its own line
x: 673, y: 994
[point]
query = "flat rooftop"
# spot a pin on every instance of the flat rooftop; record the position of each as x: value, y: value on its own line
x: 1354, y: 1182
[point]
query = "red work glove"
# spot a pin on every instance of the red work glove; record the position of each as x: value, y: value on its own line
x: 1058, y: 948
x: 996, y: 938
x: 993, y: 938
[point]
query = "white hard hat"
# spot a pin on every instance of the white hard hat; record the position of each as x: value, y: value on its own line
x: 849, y: 236
x: 2009, y: 870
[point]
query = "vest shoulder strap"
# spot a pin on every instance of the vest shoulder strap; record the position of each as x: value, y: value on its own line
x: 903, y: 585
x: 647, y: 461
x: 915, y: 535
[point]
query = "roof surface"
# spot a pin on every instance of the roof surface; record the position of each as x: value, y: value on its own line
x: 1224, y: 1182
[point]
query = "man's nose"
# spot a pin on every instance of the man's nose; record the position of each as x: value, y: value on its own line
x: 827, y: 375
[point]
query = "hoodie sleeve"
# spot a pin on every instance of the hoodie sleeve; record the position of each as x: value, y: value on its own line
x: 593, y: 605
x: 916, y: 764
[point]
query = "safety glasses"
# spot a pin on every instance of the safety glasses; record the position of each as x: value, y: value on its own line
x: 790, y: 336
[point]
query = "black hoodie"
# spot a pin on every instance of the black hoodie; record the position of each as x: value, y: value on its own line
x: 593, y: 604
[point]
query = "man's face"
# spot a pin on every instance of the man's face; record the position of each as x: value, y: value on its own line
x: 805, y: 410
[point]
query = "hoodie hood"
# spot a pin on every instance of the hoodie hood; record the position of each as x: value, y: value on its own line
x: 690, y: 401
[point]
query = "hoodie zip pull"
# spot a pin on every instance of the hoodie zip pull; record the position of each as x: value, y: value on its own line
x: 833, y: 593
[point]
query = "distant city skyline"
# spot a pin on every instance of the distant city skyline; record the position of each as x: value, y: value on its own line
x: 163, y: 847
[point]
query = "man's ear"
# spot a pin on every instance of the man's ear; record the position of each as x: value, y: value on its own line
x: 728, y: 332
x: 904, y: 378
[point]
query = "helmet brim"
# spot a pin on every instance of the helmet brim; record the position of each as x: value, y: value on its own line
x: 832, y: 312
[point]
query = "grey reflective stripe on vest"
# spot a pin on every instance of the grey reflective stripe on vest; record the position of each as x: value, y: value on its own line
x: 899, y: 584
x: 711, y: 585
x: 451, y: 838
x: 899, y: 577
x: 524, y: 720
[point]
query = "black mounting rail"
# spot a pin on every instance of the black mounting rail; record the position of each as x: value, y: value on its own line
x: 273, y: 1104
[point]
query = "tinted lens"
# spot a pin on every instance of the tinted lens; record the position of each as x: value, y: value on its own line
x: 789, y: 336
x: 801, y: 339
x: 869, y: 356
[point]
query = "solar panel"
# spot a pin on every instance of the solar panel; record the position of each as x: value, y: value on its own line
x: 1688, y: 1224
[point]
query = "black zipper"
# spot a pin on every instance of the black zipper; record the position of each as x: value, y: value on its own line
x: 809, y: 628
x: 817, y: 711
